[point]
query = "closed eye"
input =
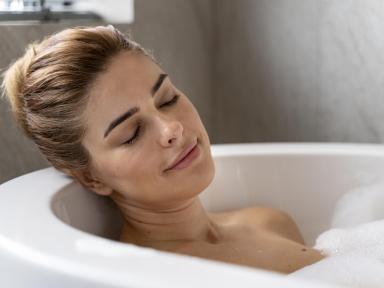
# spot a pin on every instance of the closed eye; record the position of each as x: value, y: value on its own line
x: 133, y: 138
x: 138, y: 129
x: 171, y: 102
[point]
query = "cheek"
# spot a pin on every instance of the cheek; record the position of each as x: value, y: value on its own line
x: 129, y: 166
x: 140, y: 181
x: 135, y: 172
x: 199, y: 127
x: 191, y: 117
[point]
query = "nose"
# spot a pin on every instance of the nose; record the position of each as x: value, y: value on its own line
x: 171, y: 132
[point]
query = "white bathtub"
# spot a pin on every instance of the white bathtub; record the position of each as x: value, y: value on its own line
x: 53, y: 233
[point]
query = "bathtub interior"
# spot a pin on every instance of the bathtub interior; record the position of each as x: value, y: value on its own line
x: 87, y: 211
x: 305, y: 185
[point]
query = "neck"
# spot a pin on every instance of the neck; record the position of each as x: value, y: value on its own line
x: 187, y: 221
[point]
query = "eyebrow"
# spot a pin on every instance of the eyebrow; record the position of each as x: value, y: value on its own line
x: 134, y: 110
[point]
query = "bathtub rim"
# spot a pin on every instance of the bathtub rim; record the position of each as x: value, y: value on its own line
x: 298, y: 148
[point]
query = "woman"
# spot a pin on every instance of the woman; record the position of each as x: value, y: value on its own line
x: 102, y: 110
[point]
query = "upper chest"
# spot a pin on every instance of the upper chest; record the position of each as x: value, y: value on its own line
x: 259, y: 249
x: 256, y: 238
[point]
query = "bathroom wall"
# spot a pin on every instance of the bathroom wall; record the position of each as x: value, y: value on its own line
x: 299, y: 70
x: 257, y: 70
x: 179, y: 33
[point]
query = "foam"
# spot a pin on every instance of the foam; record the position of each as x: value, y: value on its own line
x: 359, y: 205
x: 354, y: 245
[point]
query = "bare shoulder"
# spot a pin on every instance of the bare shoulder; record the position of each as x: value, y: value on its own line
x: 273, y: 220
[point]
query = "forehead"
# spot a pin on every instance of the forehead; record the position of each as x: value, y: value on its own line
x: 128, y: 78
x: 126, y: 72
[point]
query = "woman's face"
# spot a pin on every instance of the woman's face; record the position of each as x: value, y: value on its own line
x: 132, y: 156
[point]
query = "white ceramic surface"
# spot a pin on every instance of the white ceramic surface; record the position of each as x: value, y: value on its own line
x: 53, y: 233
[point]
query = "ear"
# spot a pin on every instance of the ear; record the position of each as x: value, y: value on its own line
x: 91, y: 182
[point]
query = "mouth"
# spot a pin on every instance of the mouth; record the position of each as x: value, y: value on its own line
x: 185, y: 158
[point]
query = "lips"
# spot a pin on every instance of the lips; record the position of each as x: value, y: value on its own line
x: 182, y: 155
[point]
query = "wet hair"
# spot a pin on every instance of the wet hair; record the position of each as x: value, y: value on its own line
x: 48, y: 88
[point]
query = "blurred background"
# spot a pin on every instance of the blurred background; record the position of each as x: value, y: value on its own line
x: 257, y: 70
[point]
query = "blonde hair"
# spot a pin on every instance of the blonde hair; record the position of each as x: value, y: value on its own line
x: 47, y: 88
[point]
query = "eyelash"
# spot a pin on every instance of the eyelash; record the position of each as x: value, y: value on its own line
x: 137, y: 131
